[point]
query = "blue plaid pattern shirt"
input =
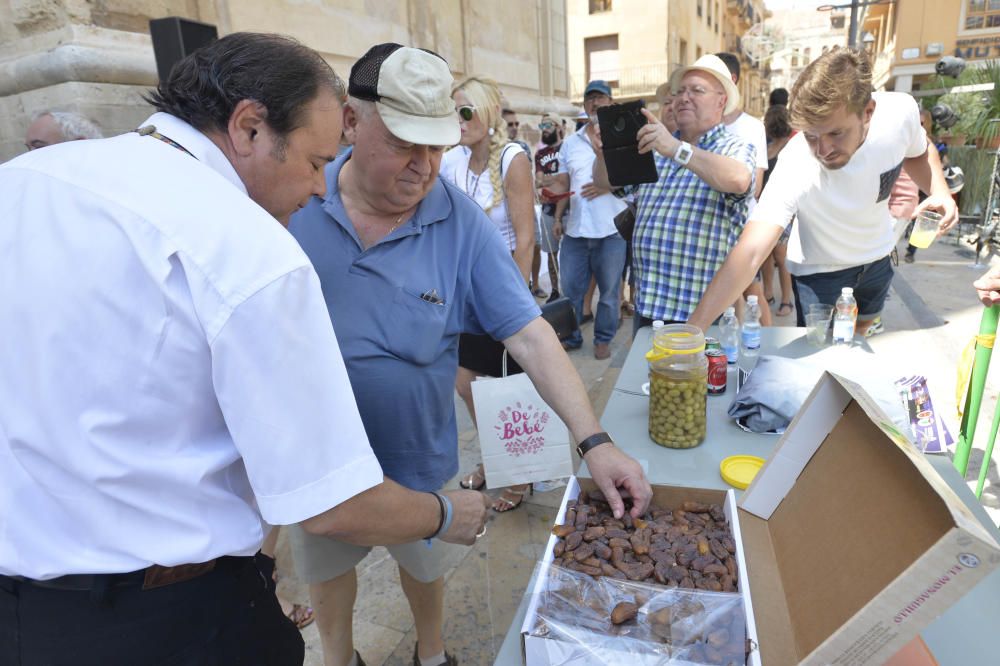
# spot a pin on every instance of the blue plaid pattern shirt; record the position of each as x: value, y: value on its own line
x: 684, y: 230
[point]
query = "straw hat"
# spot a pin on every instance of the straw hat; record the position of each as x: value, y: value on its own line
x: 711, y: 64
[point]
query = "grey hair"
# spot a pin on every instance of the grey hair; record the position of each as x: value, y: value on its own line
x: 363, y: 107
x: 73, y: 125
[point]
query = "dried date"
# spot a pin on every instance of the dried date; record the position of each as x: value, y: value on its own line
x: 624, y: 612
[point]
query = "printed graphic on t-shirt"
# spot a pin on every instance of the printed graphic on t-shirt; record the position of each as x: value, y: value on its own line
x: 886, y: 181
x: 547, y: 161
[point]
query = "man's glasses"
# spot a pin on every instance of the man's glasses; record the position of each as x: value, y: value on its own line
x: 466, y: 112
x: 696, y: 91
x: 546, y: 126
x: 513, y: 123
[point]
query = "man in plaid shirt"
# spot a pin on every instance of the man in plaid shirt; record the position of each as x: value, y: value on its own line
x: 689, y: 219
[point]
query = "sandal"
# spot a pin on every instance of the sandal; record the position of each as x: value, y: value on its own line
x: 504, y: 504
x: 301, y: 616
x: 782, y: 312
x: 474, y: 481
x: 770, y: 300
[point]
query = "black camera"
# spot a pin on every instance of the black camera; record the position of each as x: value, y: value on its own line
x: 951, y: 66
x: 943, y: 115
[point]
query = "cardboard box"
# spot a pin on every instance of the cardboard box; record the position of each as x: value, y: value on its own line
x: 538, y: 650
x: 853, y: 542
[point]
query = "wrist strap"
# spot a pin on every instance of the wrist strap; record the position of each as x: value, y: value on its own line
x: 594, y: 440
x: 447, y: 513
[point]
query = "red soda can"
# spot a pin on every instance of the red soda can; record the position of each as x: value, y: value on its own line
x: 716, y: 371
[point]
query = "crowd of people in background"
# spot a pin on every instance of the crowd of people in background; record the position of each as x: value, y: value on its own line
x: 423, y: 244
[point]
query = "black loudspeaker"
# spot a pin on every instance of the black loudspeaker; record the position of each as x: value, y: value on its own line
x: 175, y: 37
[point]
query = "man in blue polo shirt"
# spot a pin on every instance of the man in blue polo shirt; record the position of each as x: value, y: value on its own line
x: 407, y: 262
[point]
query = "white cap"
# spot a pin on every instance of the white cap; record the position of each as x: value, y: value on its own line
x: 847, y: 290
x: 658, y: 324
x: 411, y: 89
x: 751, y: 300
x: 730, y: 310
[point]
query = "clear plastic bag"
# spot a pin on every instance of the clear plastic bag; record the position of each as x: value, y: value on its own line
x: 671, y: 625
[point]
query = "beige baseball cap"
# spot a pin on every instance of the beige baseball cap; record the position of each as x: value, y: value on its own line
x: 411, y: 89
x: 711, y: 64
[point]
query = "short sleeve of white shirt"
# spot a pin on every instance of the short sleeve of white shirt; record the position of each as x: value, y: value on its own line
x: 507, y: 155
x: 258, y: 363
x: 562, y: 159
x: 450, y: 161
x: 910, y: 116
x: 752, y: 131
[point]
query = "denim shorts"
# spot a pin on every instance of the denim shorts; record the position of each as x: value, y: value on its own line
x: 871, y: 284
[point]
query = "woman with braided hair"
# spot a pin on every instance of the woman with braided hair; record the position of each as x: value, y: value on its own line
x: 496, y: 173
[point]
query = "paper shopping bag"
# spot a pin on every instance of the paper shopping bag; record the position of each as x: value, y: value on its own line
x: 521, y: 438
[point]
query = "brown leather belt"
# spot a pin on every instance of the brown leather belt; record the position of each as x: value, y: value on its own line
x: 150, y: 578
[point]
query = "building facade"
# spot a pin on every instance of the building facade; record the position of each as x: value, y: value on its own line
x: 96, y: 56
x: 908, y: 37
x: 799, y: 37
x: 740, y: 19
x: 636, y: 45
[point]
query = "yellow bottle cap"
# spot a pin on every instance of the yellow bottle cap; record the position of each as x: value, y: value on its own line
x: 739, y: 471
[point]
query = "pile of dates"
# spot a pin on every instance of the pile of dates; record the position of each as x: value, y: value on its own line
x: 689, y: 547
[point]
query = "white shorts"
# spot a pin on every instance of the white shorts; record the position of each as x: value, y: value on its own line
x: 319, y: 558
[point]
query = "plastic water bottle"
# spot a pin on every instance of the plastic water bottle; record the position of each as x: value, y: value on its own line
x: 845, y: 316
x: 729, y: 335
x: 750, y: 337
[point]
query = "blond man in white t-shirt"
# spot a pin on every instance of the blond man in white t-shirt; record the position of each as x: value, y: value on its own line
x: 835, y: 177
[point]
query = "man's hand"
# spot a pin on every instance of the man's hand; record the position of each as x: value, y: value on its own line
x: 591, y: 191
x: 468, y: 516
x: 988, y: 286
x: 655, y: 136
x: 557, y: 230
x: 942, y: 204
x: 611, y: 469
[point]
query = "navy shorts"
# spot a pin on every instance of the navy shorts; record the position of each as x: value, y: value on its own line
x: 870, y: 282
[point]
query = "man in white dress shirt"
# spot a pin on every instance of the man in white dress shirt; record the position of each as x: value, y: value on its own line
x: 170, y: 383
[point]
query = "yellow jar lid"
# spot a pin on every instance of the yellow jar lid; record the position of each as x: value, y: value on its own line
x: 739, y: 471
x: 659, y: 352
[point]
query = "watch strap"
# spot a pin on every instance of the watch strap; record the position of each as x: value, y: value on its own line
x: 684, y: 153
x: 592, y: 441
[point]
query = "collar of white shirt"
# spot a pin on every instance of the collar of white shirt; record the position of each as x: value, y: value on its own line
x: 196, y: 143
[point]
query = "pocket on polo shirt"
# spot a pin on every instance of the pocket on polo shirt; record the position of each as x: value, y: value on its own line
x: 419, y: 326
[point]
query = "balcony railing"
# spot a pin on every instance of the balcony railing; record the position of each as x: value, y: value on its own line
x: 636, y: 81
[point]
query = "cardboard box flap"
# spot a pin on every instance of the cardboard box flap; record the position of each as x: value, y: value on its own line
x: 810, y: 427
x: 961, y: 514
x: 844, y: 515
x: 795, y: 449
x: 770, y: 609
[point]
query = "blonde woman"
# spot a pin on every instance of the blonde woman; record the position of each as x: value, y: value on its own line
x: 496, y: 173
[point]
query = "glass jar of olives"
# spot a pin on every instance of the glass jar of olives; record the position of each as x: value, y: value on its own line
x: 678, y: 381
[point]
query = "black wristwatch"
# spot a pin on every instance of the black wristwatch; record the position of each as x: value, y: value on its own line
x: 592, y: 441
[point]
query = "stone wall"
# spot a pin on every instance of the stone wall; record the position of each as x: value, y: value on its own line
x: 96, y: 57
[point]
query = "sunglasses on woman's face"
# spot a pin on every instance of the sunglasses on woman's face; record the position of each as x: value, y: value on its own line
x: 466, y: 112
